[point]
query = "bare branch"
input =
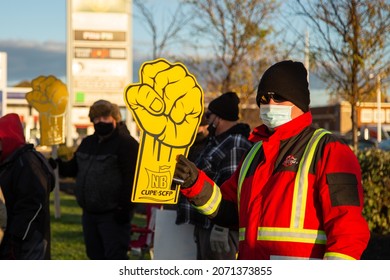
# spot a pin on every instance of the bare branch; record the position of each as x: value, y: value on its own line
x: 163, y: 36
x: 351, y: 43
x: 236, y: 31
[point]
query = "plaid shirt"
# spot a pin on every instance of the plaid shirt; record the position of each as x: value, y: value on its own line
x: 219, y: 159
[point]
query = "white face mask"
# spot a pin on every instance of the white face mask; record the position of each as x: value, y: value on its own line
x: 275, y: 115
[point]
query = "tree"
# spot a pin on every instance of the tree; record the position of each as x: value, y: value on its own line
x: 23, y: 83
x: 162, y: 35
x: 351, y: 45
x: 234, y: 34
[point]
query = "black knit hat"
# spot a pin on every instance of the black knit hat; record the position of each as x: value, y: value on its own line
x: 225, y: 106
x: 289, y: 80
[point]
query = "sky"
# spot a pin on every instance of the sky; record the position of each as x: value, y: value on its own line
x: 33, y: 34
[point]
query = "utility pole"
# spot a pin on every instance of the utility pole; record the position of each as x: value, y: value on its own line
x: 3, y: 83
x: 379, y: 109
x: 307, y: 53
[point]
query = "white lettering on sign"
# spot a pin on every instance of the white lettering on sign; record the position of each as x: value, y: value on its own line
x: 90, y: 35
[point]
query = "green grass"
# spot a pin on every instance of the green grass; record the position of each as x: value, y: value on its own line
x: 67, y: 241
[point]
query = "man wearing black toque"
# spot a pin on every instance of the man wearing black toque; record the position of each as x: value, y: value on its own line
x: 298, y: 193
x: 104, y: 167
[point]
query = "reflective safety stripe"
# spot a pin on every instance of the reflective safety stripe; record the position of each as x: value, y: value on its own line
x: 212, y: 204
x: 301, y: 180
x: 296, y: 232
x: 337, y: 256
x: 245, y: 167
x: 291, y: 235
x: 241, y: 234
x: 279, y: 258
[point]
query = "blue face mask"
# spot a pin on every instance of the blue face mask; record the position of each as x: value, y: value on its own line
x: 275, y: 115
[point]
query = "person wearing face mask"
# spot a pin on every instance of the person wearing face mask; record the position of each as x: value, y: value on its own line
x: 104, y: 166
x: 298, y: 193
x: 226, y: 144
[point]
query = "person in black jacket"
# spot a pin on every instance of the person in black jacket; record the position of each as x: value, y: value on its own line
x: 104, y: 166
x: 26, y: 180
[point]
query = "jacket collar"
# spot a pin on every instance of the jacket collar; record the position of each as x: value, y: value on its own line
x: 239, y: 128
x: 16, y: 153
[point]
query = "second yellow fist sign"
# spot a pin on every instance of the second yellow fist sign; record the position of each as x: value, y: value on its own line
x: 49, y: 96
x: 167, y: 105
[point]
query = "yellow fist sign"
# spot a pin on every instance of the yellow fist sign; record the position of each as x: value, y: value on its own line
x: 49, y: 96
x: 167, y: 105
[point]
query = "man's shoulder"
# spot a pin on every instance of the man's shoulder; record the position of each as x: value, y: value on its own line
x: 127, y: 139
x: 238, y: 130
x: 233, y: 143
x: 239, y: 140
x: 26, y: 152
x: 32, y: 159
x: 89, y: 138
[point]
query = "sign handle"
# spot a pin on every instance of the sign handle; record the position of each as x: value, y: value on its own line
x: 57, y: 211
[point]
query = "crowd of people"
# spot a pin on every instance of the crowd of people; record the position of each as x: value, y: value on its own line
x: 283, y: 190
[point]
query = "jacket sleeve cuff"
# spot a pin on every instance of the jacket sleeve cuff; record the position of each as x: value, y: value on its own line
x: 196, y: 188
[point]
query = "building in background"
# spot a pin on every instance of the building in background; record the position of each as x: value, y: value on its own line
x: 99, y: 58
x: 337, y: 118
x: 99, y: 66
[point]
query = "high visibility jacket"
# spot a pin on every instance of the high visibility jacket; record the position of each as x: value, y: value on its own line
x: 297, y: 195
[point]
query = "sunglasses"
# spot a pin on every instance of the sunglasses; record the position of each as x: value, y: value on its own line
x: 265, y: 99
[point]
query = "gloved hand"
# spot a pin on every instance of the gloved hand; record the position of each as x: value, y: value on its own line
x: 54, y: 162
x: 186, y: 171
x: 219, y: 239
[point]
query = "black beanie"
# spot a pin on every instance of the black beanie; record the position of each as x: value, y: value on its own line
x: 225, y: 106
x: 289, y: 80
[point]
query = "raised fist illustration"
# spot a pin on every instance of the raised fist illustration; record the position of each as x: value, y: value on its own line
x: 49, y: 96
x: 167, y: 104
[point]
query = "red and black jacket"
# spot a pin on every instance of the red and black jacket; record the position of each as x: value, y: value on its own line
x: 284, y: 210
